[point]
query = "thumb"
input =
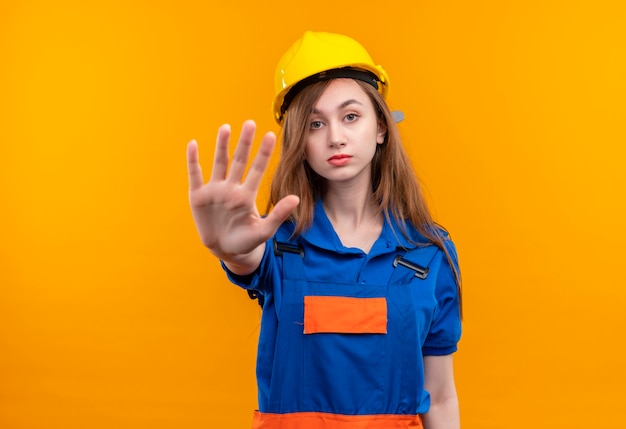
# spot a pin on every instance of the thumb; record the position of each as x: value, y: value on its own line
x: 281, y: 212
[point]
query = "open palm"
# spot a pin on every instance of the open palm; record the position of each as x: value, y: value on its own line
x: 224, y: 209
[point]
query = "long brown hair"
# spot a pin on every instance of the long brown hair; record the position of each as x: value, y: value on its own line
x: 395, y: 186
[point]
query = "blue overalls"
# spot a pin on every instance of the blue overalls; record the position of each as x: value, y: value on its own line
x: 337, y: 354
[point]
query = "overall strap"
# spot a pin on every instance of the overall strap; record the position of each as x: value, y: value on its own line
x: 293, y: 255
x: 414, y: 263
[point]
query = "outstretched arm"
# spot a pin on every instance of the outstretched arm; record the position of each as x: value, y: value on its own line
x: 224, y: 209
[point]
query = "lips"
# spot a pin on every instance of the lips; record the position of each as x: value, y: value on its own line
x: 339, y: 156
x: 339, y: 159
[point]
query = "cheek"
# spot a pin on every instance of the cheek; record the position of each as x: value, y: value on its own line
x: 311, y: 149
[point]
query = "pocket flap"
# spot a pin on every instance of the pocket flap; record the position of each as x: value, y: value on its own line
x: 340, y: 314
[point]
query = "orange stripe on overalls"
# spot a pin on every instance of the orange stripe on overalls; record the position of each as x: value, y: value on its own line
x: 335, y: 421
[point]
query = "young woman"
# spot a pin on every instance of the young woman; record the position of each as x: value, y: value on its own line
x: 360, y: 288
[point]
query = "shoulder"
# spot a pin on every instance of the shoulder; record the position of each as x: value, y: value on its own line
x: 427, y: 234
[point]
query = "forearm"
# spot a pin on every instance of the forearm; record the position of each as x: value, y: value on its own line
x: 443, y: 414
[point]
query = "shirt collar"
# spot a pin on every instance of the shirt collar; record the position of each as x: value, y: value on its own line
x: 322, y: 234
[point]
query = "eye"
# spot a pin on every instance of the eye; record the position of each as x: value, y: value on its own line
x: 316, y: 125
x: 351, y: 117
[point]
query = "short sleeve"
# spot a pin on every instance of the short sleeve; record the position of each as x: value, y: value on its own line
x: 445, y: 330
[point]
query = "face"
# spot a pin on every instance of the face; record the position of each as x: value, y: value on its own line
x: 343, y: 133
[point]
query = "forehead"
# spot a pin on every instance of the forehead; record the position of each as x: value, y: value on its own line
x: 339, y: 91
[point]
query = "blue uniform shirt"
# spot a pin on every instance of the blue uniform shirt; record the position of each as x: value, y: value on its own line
x: 329, y: 265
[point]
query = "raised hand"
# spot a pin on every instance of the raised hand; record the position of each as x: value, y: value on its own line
x: 224, y: 209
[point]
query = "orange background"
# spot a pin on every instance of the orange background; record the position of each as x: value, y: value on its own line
x: 112, y: 315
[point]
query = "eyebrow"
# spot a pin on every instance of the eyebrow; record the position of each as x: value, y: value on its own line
x: 341, y: 106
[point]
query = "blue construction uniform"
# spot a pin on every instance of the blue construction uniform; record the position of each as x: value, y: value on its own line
x: 403, y: 294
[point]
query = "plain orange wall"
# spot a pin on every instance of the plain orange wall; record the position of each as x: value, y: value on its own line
x: 112, y: 315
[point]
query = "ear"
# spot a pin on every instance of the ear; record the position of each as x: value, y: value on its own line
x: 382, y: 133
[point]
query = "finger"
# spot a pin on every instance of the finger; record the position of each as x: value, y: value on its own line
x: 220, y: 160
x: 193, y: 166
x: 242, y: 152
x: 260, y: 162
x: 280, y: 213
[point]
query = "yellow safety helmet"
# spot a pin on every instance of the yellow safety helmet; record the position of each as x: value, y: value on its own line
x: 320, y: 56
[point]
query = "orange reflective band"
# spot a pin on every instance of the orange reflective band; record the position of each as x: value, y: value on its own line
x: 335, y: 421
x: 340, y: 314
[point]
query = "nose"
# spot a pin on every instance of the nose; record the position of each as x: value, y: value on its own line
x: 336, y: 137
